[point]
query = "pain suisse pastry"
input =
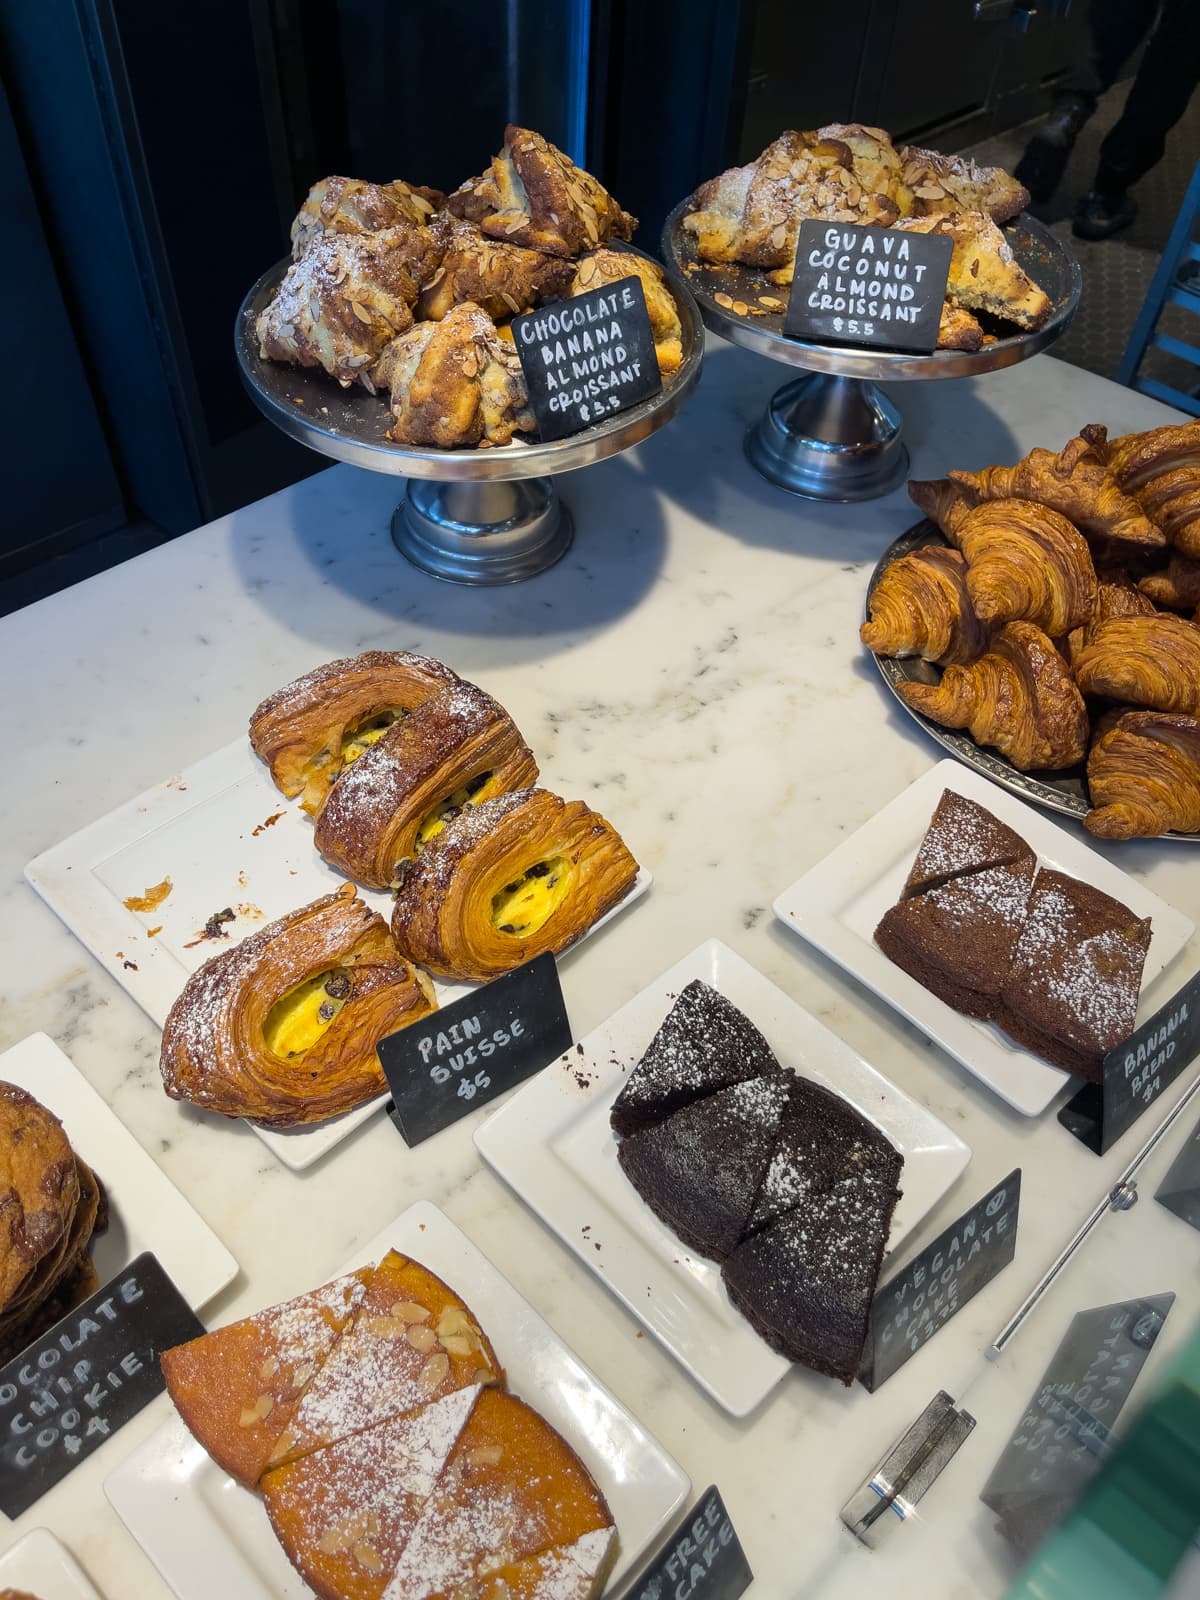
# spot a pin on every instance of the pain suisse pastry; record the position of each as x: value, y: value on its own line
x: 312, y: 728
x: 534, y: 195
x: 348, y: 205
x: 282, y: 1028
x: 507, y: 879
x: 455, y: 750
x: 921, y: 606
x: 415, y: 1484
x: 454, y: 382
x: 1144, y: 776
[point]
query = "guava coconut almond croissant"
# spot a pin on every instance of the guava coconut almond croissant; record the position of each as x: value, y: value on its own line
x: 508, y: 879
x: 534, y: 195
x: 921, y: 607
x: 456, y: 749
x: 1144, y: 776
x: 311, y: 729
x: 1018, y: 697
x: 282, y: 1027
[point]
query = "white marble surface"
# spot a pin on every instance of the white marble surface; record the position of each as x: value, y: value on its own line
x: 692, y: 668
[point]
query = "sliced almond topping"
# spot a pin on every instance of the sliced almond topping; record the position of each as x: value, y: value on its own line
x: 302, y: 1375
x: 334, y: 1540
x: 519, y: 221
x: 248, y: 1417
x: 510, y: 302
x: 385, y: 1327
x: 740, y: 308
x: 779, y: 236
x: 410, y: 1311
x: 367, y: 1556
x: 258, y: 1412
x: 360, y: 311
x: 422, y: 1339
x: 483, y: 1375
x: 268, y: 1369
x: 264, y: 1405
x: 930, y: 191
x: 485, y: 1455
x: 453, y: 1320
x: 723, y: 299
x: 455, y: 1344
x: 433, y: 1374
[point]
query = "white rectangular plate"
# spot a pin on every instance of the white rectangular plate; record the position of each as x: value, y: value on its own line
x: 146, y: 1210
x: 39, y: 1565
x: 225, y: 837
x: 552, y: 1143
x: 838, y: 905
x: 208, y: 1536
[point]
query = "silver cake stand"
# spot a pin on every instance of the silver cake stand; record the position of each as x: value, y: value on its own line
x: 832, y: 435
x: 479, y: 516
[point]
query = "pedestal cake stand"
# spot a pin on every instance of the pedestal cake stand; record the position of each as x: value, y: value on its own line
x: 479, y: 516
x: 832, y: 435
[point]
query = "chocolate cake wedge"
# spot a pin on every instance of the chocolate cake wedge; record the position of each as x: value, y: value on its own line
x: 962, y: 837
x: 700, y: 1169
x: 704, y: 1044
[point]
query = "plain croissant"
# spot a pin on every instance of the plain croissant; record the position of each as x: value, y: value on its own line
x: 1161, y: 468
x: 920, y: 607
x: 1019, y: 697
x: 1144, y: 776
x: 1026, y: 563
x: 1144, y: 661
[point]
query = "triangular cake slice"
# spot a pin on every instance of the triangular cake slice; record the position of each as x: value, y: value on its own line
x: 513, y: 1488
x: 704, y: 1044
x: 564, y: 1572
x: 699, y: 1170
x: 412, y: 1340
x: 962, y: 837
x: 344, y: 1514
x: 237, y: 1387
x: 806, y: 1282
x: 822, y: 1139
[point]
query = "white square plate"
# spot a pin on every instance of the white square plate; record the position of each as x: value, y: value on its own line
x: 552, y: 1143
x: 208, y: 1536
x: 146, y: 1210
x: 225, y: 837
x: 838, y: 904
x: 39, y: 1565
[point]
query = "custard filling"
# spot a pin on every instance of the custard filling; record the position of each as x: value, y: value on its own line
x: 526, y: 904
x: 297, y: 1020
x: 467, y: 794
x: 364, y: 734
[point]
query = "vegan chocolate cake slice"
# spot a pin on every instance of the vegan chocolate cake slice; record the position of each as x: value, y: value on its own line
x: 806, y: 1282
x: 962, y: 837
x: 1072, y: 992
x: 822, y: 1139
x: 700, y: 1168
x: 704, y: 1044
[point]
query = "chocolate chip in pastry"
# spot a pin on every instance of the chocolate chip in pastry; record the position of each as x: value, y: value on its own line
x: 344, y: 298
x: 456, y: 749
x: 506, y: 880
x: 348, y: 205
x: 282, y: 1028
x: 600, y: 267
x: 313, y: 728
x: 503, y: 279
x: 534, y: 195
x: 454, y: 382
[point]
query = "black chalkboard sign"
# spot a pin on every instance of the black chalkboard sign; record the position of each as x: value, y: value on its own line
x: 859, y: 285
x: 76, y: 1384
x: 587, y: 358
x: 459, y: 1058
x: 1063, y: 1435
x: 1180, y: 1189
x: 1137, y: 1072
x: 925, y: 1294
x: 702, y: 1560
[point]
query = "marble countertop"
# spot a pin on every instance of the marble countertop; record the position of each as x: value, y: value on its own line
x: 692, y: 669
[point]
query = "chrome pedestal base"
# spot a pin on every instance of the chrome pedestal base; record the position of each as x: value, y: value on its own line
x: 498, y: 531
x: 829, y: 438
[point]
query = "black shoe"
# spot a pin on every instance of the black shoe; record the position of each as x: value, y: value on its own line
x: 1099, y: 215
x: 1046, y: 155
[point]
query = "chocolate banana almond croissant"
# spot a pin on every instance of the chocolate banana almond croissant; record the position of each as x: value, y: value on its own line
x: 1144, y: 661
x: 349, y: 205
x: 534, y: 195
x: 921, y: 607
x: 1144, y: 776
x: 1019, y: 697
x: 456, y: 749
x: 312, y: 728
x: 506, y: 880
x: 1026, y: 563
x: 454, y: 382
x: 599, y: 267
x: 282, y: 1027
x: 501, y: 278
x: 1074, y: 483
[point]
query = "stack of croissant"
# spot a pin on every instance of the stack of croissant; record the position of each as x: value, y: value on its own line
x: 421, y: 783
x: 410, y: 292
x: 1064, y: 614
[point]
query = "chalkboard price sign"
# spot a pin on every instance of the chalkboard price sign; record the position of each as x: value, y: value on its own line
x: 76, y: 1384
x: 925, y: 1294
x: 587, y: 358
x: 1180, y: 1189
x: 457, y: 1059
x: 702, y: 1560
x: 859, y: 285
x: 1137, y: 1072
